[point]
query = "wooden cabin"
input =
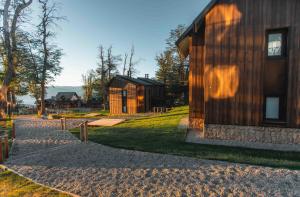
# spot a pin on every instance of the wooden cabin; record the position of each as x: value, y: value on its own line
x: 67, y: 100
x: 130, y: 95
x: 244, y: 64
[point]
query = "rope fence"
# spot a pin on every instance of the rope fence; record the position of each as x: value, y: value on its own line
x: 82, y: 126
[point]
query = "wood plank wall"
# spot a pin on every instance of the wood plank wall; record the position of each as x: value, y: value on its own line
x: 235, y: 36
x: 131, y: 98
x: 141, y: 99
x: 196, y: 81
x: 115, y: 97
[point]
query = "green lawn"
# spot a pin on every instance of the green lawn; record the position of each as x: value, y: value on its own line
x: 12, y: 185
x: 159, y: 134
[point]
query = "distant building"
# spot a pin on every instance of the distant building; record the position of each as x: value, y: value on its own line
x: 134, y: 95
x: 64, y: 100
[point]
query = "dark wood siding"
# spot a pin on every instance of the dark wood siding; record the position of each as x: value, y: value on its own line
x: 196, y: 81
x: 140, y: 98
x: 232, y: 61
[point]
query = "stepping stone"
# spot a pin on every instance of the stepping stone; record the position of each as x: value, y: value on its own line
x: 106, y: 122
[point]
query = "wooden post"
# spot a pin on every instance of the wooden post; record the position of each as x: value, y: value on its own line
x: 1, y: 151
x: 65, y: 124
x: 81, y: 132
x: 86, y: 131
x: 62, y: 123
x: 13, y: 132
x: 6, y: 146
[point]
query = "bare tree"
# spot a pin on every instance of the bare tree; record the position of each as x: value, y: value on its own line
x: 112, y: 63
x: 132, y: 64
x: 50, y: 52
x: 125, y: 63
x: 10, y: 25
x: 101, y: 72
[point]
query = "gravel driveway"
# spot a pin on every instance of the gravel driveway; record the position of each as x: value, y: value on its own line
x: 56, y: 158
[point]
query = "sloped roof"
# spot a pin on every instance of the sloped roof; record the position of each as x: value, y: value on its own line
x: 133, y: 80
x: 182, y: 42
x: 66, y: 95
x: 151, y: 81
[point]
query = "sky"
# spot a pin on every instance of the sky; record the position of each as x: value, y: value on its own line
x: 118, y: 23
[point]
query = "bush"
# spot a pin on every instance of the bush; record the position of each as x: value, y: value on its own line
x: 54, y: 116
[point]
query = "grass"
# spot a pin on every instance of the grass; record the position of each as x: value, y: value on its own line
x: 159, y: 134
x: 12, y: 185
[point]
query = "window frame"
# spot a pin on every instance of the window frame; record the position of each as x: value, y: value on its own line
x: 266, y: 104
x: 284, y: 43
x: 282, y: 116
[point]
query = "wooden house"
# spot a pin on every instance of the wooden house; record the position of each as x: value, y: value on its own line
x: 244, y: 66
x: 130, y: 95
x: 67, y: 100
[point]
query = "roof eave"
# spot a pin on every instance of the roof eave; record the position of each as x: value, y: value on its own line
x: 181, y: 42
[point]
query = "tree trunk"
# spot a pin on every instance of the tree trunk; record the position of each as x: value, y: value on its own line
x: 45, y: 48
x: 9, y: 40
x: 42, y: 101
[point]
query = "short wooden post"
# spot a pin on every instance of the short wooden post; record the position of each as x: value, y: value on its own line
x: 81, y: 132
x: 13, y: 132
x: 86, y: 131
x: 65, y: 124
x: 1, y: 151
x: 6, y: 146
x: 62, y: 123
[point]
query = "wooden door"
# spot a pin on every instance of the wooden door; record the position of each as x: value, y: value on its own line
x: 275, y: 76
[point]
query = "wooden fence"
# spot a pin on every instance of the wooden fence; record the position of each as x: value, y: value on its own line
x: 4, y: 142
x: 83, y: 129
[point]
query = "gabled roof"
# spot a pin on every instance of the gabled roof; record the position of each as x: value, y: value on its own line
x: 151, y: 81
x: 66, y: 95
x: 133, y: 80
x: 138, y: 81
x: 182, y: 42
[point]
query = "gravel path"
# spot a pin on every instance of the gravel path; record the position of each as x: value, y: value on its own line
x: 56, y: 158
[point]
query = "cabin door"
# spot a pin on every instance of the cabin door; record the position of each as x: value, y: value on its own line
x: 124, y: 101
x: 275, y: 77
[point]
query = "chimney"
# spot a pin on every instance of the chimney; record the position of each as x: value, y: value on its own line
x: 147, y: 76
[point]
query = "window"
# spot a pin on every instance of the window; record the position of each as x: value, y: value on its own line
x: 275, y: 44
x: 124, y: 93
x: 124, y: 101
x: 272, y: 108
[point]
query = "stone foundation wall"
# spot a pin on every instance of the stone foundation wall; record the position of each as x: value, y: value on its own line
x: 271, y: 135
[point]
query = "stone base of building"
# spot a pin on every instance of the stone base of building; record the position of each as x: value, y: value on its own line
x: 273, y: 138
